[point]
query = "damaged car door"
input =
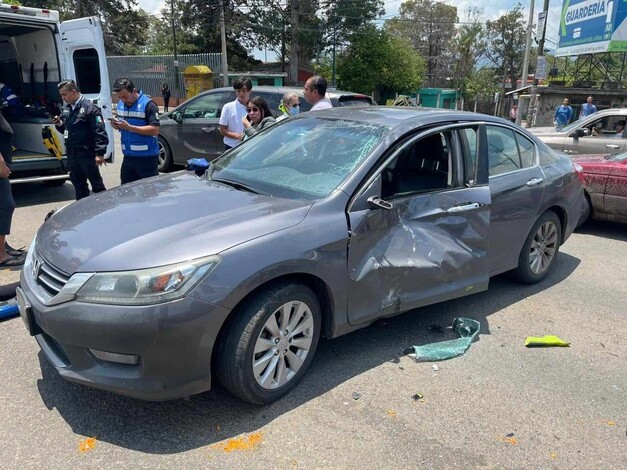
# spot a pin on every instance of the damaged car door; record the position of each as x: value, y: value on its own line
x: 419, y: 225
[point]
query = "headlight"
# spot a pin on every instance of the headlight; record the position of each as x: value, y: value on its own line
x: 147, y: 286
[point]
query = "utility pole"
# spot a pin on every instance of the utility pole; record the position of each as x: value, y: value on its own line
x: 177, y: 90
x: 225, y: 65
x: 525, y: 68
x: 333, y: 72
x: 533, y: 104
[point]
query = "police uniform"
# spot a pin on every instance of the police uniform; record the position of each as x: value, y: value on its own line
x: 85, y: 138
x: 141, y: 152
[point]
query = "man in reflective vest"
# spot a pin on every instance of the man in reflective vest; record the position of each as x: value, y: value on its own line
x: 138, y: 123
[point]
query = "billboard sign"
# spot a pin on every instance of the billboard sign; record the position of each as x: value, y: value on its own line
x: 592, y: 26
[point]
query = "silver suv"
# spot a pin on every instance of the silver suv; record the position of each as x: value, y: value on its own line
x: 191, y: 130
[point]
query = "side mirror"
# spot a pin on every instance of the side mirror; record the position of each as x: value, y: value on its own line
x: 177, y: 116
x: 370, y: 198
x: 577, y: 133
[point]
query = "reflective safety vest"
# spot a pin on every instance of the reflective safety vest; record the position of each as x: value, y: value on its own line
x: 133, y: 144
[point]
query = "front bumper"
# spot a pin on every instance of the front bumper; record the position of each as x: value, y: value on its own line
x: 173, y: 341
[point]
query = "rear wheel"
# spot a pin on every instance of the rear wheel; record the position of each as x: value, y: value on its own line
x: 540, y: 249
x: 165, y: 161
x: 270, y: 344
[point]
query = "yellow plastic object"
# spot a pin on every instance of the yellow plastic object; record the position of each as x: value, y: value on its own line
x: 546, y: 341
x: 198, y: 78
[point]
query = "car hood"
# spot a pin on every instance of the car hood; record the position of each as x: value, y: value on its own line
x: 160, y: 221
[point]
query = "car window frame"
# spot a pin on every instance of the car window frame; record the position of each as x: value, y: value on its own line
x: 387, y: 158
x: 220, y: 105
x: 516, y: 131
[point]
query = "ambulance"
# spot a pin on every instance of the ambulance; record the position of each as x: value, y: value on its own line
x: 37, y: 51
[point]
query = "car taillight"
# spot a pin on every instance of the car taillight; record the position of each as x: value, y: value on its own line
x: 578, y: 169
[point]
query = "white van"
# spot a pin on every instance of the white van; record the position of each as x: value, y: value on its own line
x: 37, y: 51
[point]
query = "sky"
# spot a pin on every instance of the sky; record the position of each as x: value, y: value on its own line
x: 492, y: 9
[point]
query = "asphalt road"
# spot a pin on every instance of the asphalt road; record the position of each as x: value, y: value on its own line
x: 500, y: 405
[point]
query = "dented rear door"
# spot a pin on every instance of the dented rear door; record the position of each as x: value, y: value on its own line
x: 428, y: 247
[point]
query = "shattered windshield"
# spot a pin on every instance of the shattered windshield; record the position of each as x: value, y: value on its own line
x: 304, y: 158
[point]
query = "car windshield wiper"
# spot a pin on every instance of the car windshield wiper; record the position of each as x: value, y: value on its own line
x: 236, y: 185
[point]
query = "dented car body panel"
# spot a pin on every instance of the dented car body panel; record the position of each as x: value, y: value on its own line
x: 377, y: 210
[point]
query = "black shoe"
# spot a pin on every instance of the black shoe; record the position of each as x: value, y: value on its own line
x: 14, y: 251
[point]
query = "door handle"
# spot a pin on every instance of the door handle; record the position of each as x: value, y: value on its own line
x: 466, y: 207
x: 535, y: 181
x: 208, y: 129
x: 612, y: 146
x: 375, y: 202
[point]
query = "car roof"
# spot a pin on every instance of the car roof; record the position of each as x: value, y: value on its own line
x: 331, y: 92
x: 409, y: 117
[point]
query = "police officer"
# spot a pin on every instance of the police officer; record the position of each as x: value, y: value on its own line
x: 138, y: 123
x: 86, y: 139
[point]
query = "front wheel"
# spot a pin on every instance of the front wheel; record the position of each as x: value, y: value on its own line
x: 540, y: 249
x: 165, y: 160
x: 270, y: 344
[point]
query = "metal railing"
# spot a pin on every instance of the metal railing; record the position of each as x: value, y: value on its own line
x: 148, y: 73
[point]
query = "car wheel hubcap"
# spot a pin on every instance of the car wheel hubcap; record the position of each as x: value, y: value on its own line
x: 283, y: 345
x: 161, y: 154
x: 543, y: 248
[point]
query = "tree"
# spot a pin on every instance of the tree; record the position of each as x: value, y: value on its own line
x: 377, y: 62
x: 467, y: 48
x: 505, y: 38
x: 301, y: 30
x: 430, y: 27
x: 125, y: 28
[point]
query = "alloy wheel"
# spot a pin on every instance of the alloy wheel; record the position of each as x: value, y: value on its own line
x: 283, y: 345
x: 543, y: 247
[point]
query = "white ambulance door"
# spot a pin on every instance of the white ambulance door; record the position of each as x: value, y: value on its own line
x: 86, y: 62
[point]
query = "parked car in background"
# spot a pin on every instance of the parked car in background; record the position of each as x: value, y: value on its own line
x: 317, y: 226
x: 191, y: 130
x: 605, y: 183
x: 593, y: 134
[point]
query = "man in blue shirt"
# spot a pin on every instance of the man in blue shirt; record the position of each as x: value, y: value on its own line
x: 563, y: 115
x: 587, y: 108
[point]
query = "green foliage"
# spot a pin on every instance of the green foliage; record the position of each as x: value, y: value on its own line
x: 430, y: 28
x: 505, y: 38
x: 125, y: 28
x: 467, y: 47
x: 481, y: 83
x: 377, y: 62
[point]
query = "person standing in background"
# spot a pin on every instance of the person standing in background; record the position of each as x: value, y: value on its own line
x: 563, y: 115
x: 231, y: 127
x: 315, y: 91
x: 513, y: 113
x: 165, y: 94
x: 138, y: 123
x: 85, y: 137
x: 587, y: 108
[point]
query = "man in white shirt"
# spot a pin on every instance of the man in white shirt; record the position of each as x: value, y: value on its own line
x: 314, y: 92
x: 231, y: 126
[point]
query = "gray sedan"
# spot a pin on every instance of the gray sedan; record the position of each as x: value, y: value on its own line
x: 598, y: 133
x: 316, y: 227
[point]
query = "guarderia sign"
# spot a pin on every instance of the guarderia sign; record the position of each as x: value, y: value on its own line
x: 592, y: 26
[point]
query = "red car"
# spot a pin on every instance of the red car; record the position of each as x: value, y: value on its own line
x: 605, y: 181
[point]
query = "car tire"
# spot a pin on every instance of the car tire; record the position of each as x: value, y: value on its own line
x: 586, y: 210
x: 540, y: 250
x: 165, y: 162
x: 270, y: 343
